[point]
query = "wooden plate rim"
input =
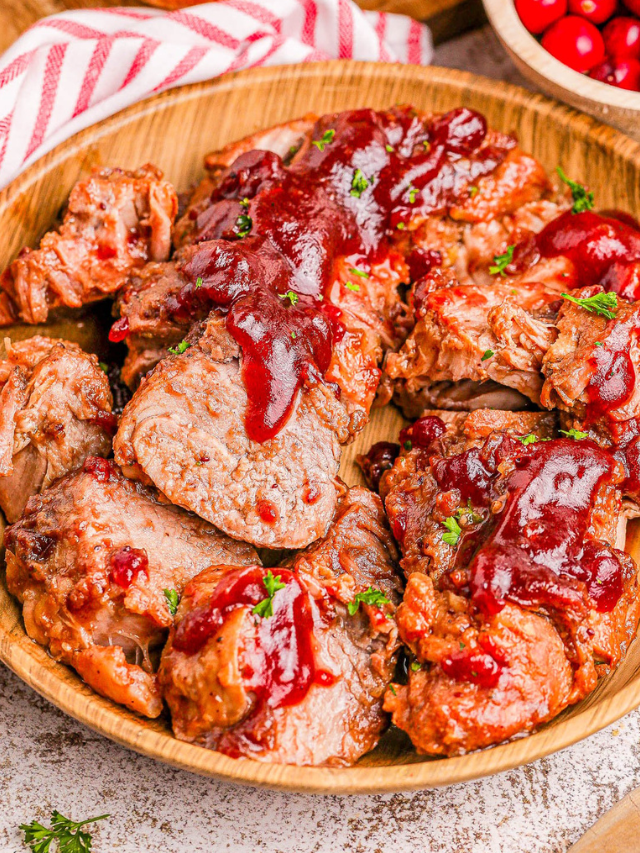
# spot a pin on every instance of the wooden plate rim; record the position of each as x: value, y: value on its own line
x: 27, y: 659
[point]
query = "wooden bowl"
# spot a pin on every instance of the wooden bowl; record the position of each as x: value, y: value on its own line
x: 617, y: 107
x: 175, y: 130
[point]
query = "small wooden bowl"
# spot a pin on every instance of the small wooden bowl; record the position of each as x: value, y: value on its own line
x: 617, y: 107
x: 175, y: 130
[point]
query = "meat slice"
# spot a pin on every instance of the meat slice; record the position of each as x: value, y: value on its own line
x: 517, y: 596
x: 476, y: 333
x: 115, y: 222
x: 184, y: 431
x: 55, y: 411
x: 302, y: 681
x: 150, y: 329
x: 91, y: 559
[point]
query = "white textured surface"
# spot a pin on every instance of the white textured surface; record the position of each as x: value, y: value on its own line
x: 49, y: 761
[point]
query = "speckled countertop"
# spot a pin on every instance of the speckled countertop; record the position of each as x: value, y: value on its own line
x: 48, y: 761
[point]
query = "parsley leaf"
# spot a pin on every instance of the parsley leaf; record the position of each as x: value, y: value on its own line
x: 272, y: 584
x: 473, y: 191
x: 103, y: 366
x: 351, y: 286
x: 68, y: 834
x: 180, y: 348
x: 293, y: 335
x: 602, y: 303
x: 359, y: 183
x: 244, y: 203
x: 327, y: 139
x: 291, y: 296
x: 401, y: 226
x: 413, y: 193
x: 416, y: 666
x: 244, y: 224
x: 361, y: 273
x: 574, y: 433
x: 408, y: 444
x: 389, y: 148
x: 469, y: 513
x: 527, y: 439
x: 453, y: 531
x: 371, y: 596
x: 582, y: 199
x: 500, y: 262
x: 487, y: 354
x: 172, y: 598
x: 598, y: 343
x: 198, y: 282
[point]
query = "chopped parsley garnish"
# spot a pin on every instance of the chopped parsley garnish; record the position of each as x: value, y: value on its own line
x: 359, y: 183
x: 244, y: 203
x: 413, y: 193
x: 293, y: 335
x: 244, y: 224
x: 407, y: 444
x: 172, y: 598
x: 401, y: 226
x: 371, y: 596
x: 361, y: 273
x: 487, y: 354
x: 462, y: 645
x: 103, y: 366
x: 389, y: 148
x: 198, y: 282
x: 393, y: 689
x: 469, y: 513
x: 327, y: 139
x: 426, y: 144
x: 473, y: 191
x: 500, y: 262
x: 291, y: 296
x: 67, y: 833
x: 603, y: 304
x: 351, y: 286
x: 528, y: 439
x: 574, y: 433
x: 453, y: 531
x: 180, y: 348
x: 416, y: 666
x: 598, y: 343
x: 272, y: 584
x: 582, y: 199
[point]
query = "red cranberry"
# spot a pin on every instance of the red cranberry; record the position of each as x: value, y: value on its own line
x: 379, y: 459
x: 126, y: 564
x: 622, y: 38
x: 538, y: 15
x: 119, y: 330
x: 575, y: 42
x: 596, y: 11
x: 422, y: 433
x: 623, y: 73
x: 422, y: 261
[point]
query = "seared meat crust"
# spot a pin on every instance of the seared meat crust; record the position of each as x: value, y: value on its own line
x: 89, y: 561
x: 339, y: 718
x: 55, y: 411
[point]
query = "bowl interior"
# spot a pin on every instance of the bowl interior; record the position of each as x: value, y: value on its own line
x: 175, y: 130
x: 618, y: 107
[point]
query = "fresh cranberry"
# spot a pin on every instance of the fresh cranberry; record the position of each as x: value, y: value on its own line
x: 633, y: 6
x: 622, y: 38
x: 575, y: 42
x: 623, y: 73
x: 537, y: 15
x: 422, y: 432
x: 596, y: 11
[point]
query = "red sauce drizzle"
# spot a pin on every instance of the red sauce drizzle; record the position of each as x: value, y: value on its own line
x: 279, y: 667
x: 538, y: 554
x: 613, y: 381
x: 603, y: 249
x: 475, y: 666
x: 126, y: 564
x: 102, y: 469
x: 304, y: 218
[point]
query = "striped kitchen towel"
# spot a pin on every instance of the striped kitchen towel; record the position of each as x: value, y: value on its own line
x: 71, y: 70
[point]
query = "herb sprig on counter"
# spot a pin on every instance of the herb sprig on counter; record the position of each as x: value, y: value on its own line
x: 68, y: 834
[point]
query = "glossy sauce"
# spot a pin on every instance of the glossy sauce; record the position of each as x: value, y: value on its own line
x: 538, y: 553
x: 346, y: 198
x: 278, y: 665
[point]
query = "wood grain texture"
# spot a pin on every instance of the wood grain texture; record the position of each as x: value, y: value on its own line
x: 617, y: 831
x: 617, y: 107
x: 446, y: 17
x: 175, y: 130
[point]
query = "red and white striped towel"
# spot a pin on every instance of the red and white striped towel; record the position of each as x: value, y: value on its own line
x: 73, y: 69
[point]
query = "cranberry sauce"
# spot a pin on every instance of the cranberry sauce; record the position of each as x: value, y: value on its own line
x: 126, y: 564
x: 604, y: 250
x: 279, y: 665
x: 423, y: 432
x: 266, y: 249
x: 474, y: 666
x: 614, y: 379
x: 538, y: 554
x: 379, y: 459
x: 102, y: 469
